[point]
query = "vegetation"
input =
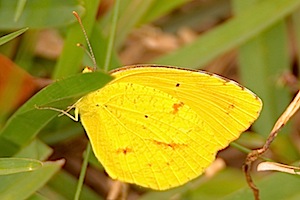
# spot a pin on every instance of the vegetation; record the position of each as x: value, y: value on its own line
x: 254, y: 42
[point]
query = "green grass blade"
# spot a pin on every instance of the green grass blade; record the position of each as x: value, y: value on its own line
x: 22, y: 185
x: 71, y: 56
x: 11, y: 36
x: 100, y: 46
x: 19, y: 9
x: 38, y: 14
x: 288, y: 188
x: 83, y: 171
x: 64, y: 185
x: 230, y: 34
x: 25, y: 56
x: 28, y: 121
x: 36, y: 149
x: 159, y: 8
x: 207, y: 188
x: 126, y: 22
x: 111, y: 37
x: 17, y: 165
x: 266, y: 58
x: 296, y: 33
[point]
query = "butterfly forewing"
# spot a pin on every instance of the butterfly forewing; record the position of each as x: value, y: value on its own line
x: 160, y: 127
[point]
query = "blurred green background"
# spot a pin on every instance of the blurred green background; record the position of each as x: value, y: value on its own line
x: 255, y: 42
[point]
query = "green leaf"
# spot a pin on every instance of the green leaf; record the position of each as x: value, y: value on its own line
x: 100, y: 44
x: 20, y: 7
x: 38, y: 14
x: 71, y: 56
x: 11, y: 36
x: 208, y: 188
x: 24, y: 125
x: 230, y: 184
x: 269, y: 60
x: 17, y: 165
x: 64, y: 185
x: 23, y: 185
x: 36, y: 149
x: 126, y: 20
x: 230, y: 34
x: 160, y: 8
x: 276, y: 187
x: 296, y: 27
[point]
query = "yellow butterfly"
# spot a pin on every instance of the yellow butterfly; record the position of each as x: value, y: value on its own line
x: 161, y: 126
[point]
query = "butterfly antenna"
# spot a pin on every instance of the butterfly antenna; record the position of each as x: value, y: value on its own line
x: 90, y: 53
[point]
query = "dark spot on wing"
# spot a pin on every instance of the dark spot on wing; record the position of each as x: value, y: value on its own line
x: 176, y: 107
x: 171, y: 145
x: 230, y: 108
x: 124, y: 150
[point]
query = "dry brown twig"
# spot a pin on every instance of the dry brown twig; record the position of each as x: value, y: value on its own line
x: 255, y: 154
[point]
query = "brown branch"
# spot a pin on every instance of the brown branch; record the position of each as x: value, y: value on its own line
x: 255, y: 154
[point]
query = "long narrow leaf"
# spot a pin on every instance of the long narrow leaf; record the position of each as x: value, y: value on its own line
x: 22, y: 185
x: 23, y: 126
x: 71, y: 57
x: 37, y: 14
x: 230, y: 34
x: 17, y: 165
x: 11, y: 36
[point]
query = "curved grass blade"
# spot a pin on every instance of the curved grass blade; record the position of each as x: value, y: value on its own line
x: 11, y: 36
x: 17, y: 165
x: 38, y: 14
x: 230, y: 34
x: 25, y: 123
x: 23, y: 185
